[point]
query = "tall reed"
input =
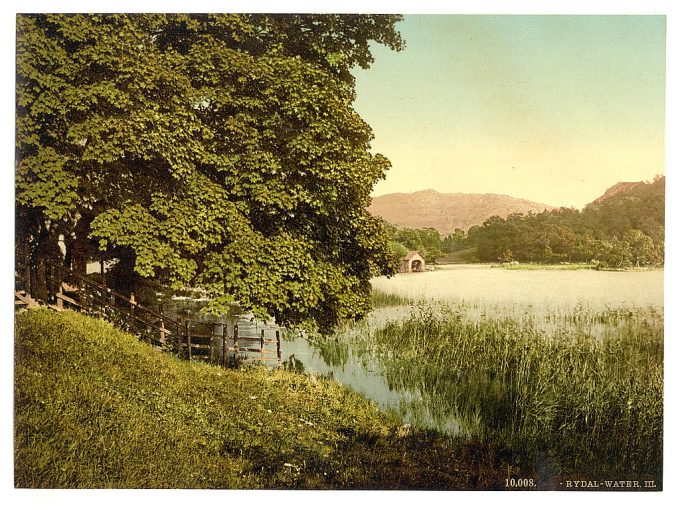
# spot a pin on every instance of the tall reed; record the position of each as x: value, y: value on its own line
x: 381, y: 299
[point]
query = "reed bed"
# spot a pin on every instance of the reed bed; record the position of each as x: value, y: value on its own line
x: 576, y: 392
x: 380, y: 299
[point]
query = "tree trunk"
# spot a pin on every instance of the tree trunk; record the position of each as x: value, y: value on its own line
x: 122, y: 276
x: 80, y: 245
x: 40, y: 284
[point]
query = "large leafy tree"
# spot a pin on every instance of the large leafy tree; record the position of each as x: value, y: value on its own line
x: 216, y: 151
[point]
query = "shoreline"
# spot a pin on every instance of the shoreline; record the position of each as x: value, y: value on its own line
x: 542, y: 266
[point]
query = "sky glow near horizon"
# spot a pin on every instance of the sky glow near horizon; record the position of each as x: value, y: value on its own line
x: 550, y: 108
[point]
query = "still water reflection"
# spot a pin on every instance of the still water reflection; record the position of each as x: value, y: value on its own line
x: 361, y: 370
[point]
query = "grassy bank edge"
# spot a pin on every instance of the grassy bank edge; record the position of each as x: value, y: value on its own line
x: 95, y: 408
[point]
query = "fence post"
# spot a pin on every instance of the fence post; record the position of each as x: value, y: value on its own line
x: 236, y: 339
x: 261, y: 345
x: 278, y: 345
x: 186, y: 327
x: 212, y: 342
x: 101, y: 269
x: 162, y: 323
x: 225, y: 334
x: 60, y: 292
x: 26, y: 274
x: 177, y: 324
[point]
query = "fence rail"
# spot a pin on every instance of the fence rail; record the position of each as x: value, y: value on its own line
x: 215, y: 342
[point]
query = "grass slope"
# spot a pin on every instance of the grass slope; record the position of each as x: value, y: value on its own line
x: 468, y: 255
x: 95, y: 408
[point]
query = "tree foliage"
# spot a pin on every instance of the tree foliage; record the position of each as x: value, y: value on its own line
x: 454, y: 241
x: 426, y: 241
x: 216, y: 151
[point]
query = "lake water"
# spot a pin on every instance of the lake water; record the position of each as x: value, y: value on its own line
x: 478, y: 291
x: 546, y: 288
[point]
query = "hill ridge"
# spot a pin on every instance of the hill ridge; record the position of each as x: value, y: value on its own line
x: 445, y: 212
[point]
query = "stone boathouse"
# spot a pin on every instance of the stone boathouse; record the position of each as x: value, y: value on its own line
x: 412, y: 262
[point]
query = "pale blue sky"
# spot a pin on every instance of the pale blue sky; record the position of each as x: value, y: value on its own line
x: 550, y: 108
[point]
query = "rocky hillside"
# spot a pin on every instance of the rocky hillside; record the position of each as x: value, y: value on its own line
x: 447, y: 211
x: 631, y: 205
x: 619, y: 187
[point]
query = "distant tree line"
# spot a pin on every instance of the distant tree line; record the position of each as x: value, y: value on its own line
x: 626, y: 229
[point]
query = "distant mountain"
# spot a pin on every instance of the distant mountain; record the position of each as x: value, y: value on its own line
x: 447, y: 211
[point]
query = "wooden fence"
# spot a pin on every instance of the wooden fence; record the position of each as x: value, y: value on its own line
x: 214, y: 342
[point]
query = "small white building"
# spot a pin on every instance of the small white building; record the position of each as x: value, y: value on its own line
x: 412, y: 262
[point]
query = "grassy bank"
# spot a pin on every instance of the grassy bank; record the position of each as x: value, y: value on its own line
x: 95, y: 408
x: 468, y: 255
x: 567, y: 402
